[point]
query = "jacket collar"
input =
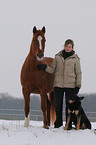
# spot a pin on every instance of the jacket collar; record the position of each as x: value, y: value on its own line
x: 60, y: 54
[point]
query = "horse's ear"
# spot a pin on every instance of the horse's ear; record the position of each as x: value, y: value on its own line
x: 43, y: 29
x: 34, y: 29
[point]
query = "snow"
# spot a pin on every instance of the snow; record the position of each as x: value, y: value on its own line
x: 14, y: 133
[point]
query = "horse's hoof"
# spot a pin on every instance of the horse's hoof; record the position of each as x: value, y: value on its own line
x: 45, y: 127
x: 26, y: 123
x: 65, y: 128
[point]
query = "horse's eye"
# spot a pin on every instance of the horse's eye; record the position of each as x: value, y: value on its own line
x: 33, y: 40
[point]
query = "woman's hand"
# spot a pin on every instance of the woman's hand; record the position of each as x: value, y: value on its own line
x: 41, y: 66
x: 76, y: 90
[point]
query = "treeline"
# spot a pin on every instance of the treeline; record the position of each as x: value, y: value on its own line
x: 9, y: 102
x: 89, y: 102
x: 13, y: 108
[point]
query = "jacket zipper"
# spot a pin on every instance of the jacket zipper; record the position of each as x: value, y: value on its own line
x: 63, y: 68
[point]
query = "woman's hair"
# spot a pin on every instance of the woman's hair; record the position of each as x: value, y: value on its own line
x: 68, y: 42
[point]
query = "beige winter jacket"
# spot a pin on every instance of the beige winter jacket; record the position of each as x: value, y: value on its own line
x: 67, y: 72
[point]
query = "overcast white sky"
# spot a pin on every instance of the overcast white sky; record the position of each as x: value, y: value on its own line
x: 63, y: 19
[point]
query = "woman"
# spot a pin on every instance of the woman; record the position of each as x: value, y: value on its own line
x: 67, y: 69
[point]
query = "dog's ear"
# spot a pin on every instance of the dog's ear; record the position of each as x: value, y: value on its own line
x: 81, y: 98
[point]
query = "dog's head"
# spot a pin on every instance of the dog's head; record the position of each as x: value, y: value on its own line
x: 73, y: 102
x: 74, y: 98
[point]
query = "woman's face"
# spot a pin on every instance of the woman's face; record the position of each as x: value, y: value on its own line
x: 68, y: 48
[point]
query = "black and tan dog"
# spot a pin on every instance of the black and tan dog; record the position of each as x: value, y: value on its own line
x: 75, y: 111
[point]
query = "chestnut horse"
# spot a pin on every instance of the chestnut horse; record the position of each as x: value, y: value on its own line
x: 37, y: 81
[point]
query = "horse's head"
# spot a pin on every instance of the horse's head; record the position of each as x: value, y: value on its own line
x: 38, y: 43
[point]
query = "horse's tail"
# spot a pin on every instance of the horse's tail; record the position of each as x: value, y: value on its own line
x: 51, y: 113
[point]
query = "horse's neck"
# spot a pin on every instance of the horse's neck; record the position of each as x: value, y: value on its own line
x: 33, y: 60
x: 33, y: 57
x: 31, y: 51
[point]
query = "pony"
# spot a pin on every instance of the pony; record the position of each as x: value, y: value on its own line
x: 38, y: 81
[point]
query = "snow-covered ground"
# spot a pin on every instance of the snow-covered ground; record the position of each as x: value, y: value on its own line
x: 14, y: 133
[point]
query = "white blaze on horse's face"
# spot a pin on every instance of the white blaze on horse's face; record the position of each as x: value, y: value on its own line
x: 40, y: 47
x: 39, y: 39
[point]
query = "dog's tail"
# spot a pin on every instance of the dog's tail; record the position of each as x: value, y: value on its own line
x: 85, y: 120
x: 51, y: 113
x: 88, y: 124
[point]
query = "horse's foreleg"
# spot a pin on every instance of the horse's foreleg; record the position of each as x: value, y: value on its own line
x: 44, y: 108
x: 27, y: 107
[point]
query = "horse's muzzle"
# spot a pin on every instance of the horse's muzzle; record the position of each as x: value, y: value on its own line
x: 40, y: 55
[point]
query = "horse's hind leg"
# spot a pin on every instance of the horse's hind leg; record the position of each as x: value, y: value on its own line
x: 26, y: 107
x: 48, y: 111
x: 51, y: 98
